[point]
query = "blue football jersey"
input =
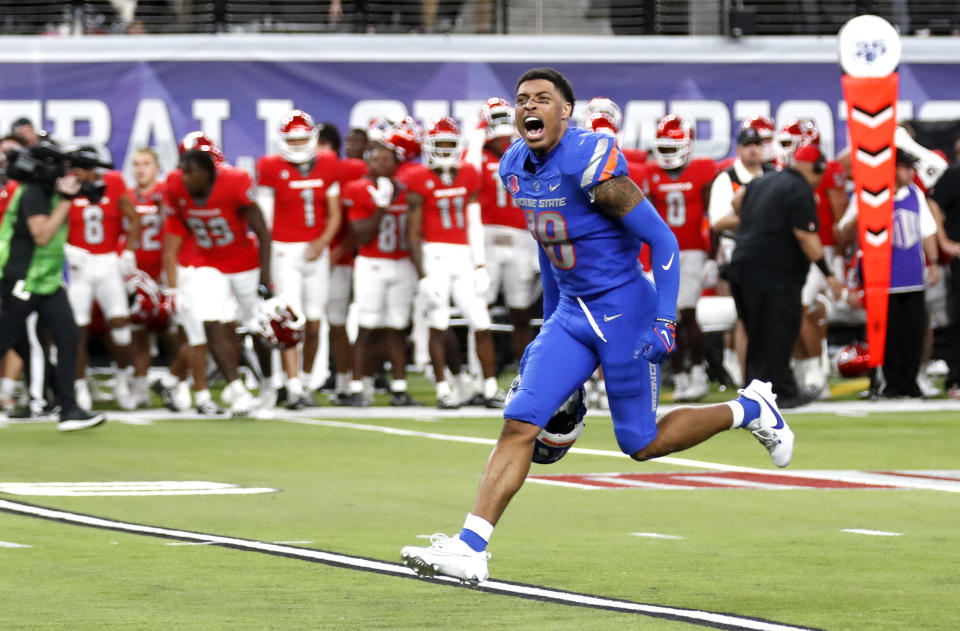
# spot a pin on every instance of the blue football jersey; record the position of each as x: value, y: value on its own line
x: 589, y: 251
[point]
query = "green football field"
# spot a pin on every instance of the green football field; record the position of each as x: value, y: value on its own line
x: 299, y: 521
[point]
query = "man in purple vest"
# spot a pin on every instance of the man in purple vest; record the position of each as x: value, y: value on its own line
x: 914, y: 245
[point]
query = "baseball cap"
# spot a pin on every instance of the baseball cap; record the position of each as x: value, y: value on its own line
x: 749, y: 136
x: 905, y: 159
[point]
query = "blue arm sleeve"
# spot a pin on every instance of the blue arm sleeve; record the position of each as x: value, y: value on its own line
x: 551, y: 292
x: 645, y: 225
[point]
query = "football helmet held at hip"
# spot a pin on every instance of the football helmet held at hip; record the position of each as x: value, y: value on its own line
x: 278, y: 324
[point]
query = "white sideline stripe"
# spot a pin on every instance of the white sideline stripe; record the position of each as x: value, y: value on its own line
x: 654, y: 535
x: 53, y: 493
x: 838, y: 476
x: 691, y: 615
x: 10, y: 544
x: 874, y: 533
x: 90, y: 489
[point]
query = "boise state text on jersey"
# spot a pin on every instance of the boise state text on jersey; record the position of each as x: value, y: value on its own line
x: 589, y: 251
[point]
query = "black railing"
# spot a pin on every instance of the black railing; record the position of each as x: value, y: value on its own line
x: 619, y: 17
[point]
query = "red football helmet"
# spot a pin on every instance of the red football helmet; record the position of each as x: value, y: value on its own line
x: 199, y: 140
x: 853, y: 360
x: 404, y: 138
x: 376, y: 127
x: 602, y: 115
x: 278, y: 323
x: 496, y: 118
x: 759, y: 128
x: 674, y: 142
x: 441, y: 144
x: 150, y: 307
x: 795, y: 132
x: 298, y: 125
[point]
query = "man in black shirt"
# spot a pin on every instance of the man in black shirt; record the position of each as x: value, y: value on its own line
x: 776, y: 242
x: 946, y: 194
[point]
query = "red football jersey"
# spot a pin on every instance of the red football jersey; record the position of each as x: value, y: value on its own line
x: 220, y: 234
x: 6, y: 194
x: 350, y: 169
x: 391, y: 240
x: 150, y: 209
x: 97, y: 228
x: 679, y: 197
x: 833, y: 178
x: 300, y: 199
x: 444, y: 206
x: 496, y: 205
x: 634, y: 155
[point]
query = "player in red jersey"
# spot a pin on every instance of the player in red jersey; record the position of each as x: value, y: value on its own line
x: 446, y: 247
x: 678, y: 185
x: 813, y: 362
x: 147, y: 196
x: 511, y: 256
x: 299, y: 188
x: 385, y: 280
x: 213, y: 209
x: 96, y: 270
x: 191, y: 356
x: 342, y: 248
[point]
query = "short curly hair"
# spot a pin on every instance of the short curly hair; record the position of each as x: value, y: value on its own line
x: 553, y: 76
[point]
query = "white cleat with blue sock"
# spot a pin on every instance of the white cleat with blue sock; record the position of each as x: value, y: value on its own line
x: 769, y: 428
x: 449, y: 556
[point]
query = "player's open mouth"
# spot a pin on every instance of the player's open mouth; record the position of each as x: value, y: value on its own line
x: 533, y: 127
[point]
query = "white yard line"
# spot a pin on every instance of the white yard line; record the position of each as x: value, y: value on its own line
x: 872, y: 533
x: 691, y: 616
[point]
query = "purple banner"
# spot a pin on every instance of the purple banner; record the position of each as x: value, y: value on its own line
x: 126, y: 105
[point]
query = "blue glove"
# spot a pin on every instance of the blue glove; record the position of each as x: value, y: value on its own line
x: 655, y: 343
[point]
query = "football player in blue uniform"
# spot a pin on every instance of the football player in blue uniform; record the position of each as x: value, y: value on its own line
x: 590, y: 220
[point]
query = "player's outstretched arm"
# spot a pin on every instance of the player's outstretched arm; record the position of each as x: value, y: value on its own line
x: 619, y: 198
x: 258, y: 224
x: 415, y: 230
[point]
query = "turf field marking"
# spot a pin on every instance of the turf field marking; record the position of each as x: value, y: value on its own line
x: 97, y: 489
x: 655, y: 535
x: 856, y: 478
x: 697, y: 617
x: 872, y: 533
x: 10, y: 544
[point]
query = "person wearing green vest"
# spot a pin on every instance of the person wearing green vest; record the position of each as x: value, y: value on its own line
x: 32, y: 235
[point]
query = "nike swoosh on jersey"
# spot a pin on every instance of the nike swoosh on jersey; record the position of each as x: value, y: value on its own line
x: 607, y: 318
x: 553, y: 187
x: 669, y: 263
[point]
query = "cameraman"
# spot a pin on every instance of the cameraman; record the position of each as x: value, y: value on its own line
x: 32, y: 237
